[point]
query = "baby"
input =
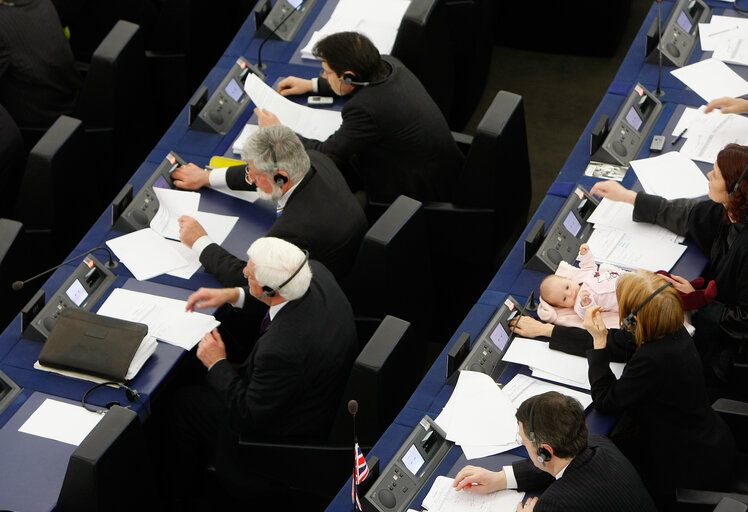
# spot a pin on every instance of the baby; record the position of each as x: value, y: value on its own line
x: 579, y: 288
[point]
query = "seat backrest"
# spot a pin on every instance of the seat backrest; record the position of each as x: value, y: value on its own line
x: 12, y: 161
x: 498, y: 161
x: 730, y: 505
x: 381, y: 381
x: 424, y: 46
x: 10, y: 268
x: 392, y: 271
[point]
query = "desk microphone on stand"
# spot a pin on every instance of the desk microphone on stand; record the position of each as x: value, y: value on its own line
x: 17, y: 285
x: 659, y: 91
x: 257, y: 68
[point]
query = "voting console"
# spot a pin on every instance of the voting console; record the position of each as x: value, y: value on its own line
x: 219, y: 113
x: 680, y: 33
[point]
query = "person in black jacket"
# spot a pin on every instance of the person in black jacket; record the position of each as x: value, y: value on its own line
x: 717, y: 226
x: 288, y: 387
x: 317, y: 211
x: 573, y: 470
x: 393, y: 137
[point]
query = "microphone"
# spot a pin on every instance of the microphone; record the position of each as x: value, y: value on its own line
x: 257, y: 68
x: 353, y: 409
x: 659, y: 91
x: 17, y: 285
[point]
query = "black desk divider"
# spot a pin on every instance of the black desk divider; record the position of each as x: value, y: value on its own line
x: 9, y: 390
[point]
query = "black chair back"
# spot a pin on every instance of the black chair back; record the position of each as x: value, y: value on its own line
x: 12, y: 162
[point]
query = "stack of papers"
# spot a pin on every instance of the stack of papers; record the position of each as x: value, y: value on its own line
x: 443, y: 498
x: 61, y: 421
x: 707, y: 134
x: 238, y: 144
x: 479, y: 417
x: 378, y: 20
x: 712, y: 79
x: 553, y: 365
x: 309, y: 122
x: 727, y: 37
x: 671, y: 175
x: 166, y: 318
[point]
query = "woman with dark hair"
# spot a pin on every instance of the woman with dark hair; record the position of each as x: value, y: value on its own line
x: 676, y: 438
x: 716, y: 226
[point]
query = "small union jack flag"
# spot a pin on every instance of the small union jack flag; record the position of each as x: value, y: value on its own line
x: 360, y: 473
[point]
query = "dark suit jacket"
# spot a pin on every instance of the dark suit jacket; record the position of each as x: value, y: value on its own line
x: 290, y: 385
x: 321, y: 216
x: 396, y: 138
x: 600, y: 479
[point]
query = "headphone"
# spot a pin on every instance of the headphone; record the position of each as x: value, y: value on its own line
x: 737, y: 183
x: 268, y: 292
x: 629, y: 323
x: 348, y: 79
x: 544, y: 455
x: 279, y: 179
x: 131, y: 394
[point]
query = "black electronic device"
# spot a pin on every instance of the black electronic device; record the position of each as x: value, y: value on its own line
x: 285, y: 18
x: 630, y: 129
x: 129, y: 214
x: 569, y: 230
x: 226, y: 103
x: 491, y: 344
x: 86, y: 285
x: 410, y: 468
x: 680, y: 33
x: 9, y: 390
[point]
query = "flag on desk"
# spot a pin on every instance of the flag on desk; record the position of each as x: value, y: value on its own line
x: 360, y: 473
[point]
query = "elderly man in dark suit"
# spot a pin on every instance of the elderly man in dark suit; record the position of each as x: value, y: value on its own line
x: 316, y: 210
x: 393, y: 137
x: 289, y: 385
x: 574, y: 471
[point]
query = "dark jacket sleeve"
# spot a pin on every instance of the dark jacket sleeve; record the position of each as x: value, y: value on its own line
x: 612, y: 396
x: 672, y: 215
x: 577, y: 341
x: 323, y: 88
x: 225, y: 266
x: 530, y: 478
x: 235, y: 178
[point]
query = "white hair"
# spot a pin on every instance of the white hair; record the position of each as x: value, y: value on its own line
x: 275, y: 260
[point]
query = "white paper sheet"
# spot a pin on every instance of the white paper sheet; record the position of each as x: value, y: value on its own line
x: 522, y: 387
x: 172, y: 204
x: 166, y: 318
x: 712, y: 79
x: 61, y: 421
x: 238, y: 144
x: 631, y: 252
x: 310, y: 122
x: 713, y: 34
x: 671, y: 175
x: 618, y: 215
x: 146, y: 254
x: 442, y: 497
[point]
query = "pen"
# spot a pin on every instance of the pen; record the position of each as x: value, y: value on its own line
x: 722, y: 31
x: 679, y: 137
x: 473, y: 484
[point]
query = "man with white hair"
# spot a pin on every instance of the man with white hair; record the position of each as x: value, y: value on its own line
x: 316, y: 209
x: 289, y: 386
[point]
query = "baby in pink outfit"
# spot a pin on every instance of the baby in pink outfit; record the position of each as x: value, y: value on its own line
x: 579, y: 288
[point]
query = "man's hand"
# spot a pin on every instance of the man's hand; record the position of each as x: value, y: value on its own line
x: 211, y: 348
x: 211, y: 298
x: 190, y: 177
x: 531, y: 328
x: 293, y: 85
x: 728, y: 105
x: 529, y: 505
x: 585, y: 299
x: 681, y: 284
x: 593, y: 322
x: 190, y: 230
x: 614, y: 191
x: 266, y: 118
x: 479, y: 480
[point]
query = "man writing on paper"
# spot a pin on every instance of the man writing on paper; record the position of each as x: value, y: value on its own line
x: 316, y: 210
x: 574, y: 471
x: 288, y: 387
x: 393, y: 138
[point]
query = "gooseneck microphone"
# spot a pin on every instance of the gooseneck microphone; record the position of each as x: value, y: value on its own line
x: 659, y: 91
x: 17, y: 285
x: 353, y: 409
x: 257, y: 68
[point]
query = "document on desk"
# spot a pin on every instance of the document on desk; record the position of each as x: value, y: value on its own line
x: 172, y: 204
x: 671, y: 175
x: 310, y: 122
x: 522, y: 387
x: 538, y: 355
x: 633, y: 252
x: 146, y: 254
x: 712, y: 79
x: 166, y: 318
x: 617, y: 215
x: 713, y: 35
x: 479, y: 417
x: 442, y: 497
x: 218, y: 228
x: 61, y: 421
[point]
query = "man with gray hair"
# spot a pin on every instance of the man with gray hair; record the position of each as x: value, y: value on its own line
x: 316, y: 209
x: 291, y: 383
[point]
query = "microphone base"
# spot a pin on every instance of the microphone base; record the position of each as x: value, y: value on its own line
x: 659, y: 93
x: 111, y: 264
x: 257, y: 70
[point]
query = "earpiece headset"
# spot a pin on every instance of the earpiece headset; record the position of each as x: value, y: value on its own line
x: 737, y: 183
x: 544, y: 455
x: 268, y: 292
x: 131, y: 394
x: 629, y: 323
x: 348, y: 79
x: 280, y: 180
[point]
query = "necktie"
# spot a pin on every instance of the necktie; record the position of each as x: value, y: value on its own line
x: 278, y: 211
x: 265, y: 322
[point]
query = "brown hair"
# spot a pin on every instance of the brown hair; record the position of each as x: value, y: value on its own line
x: 557, y: 420
x: 662, y: 315
x: 731, y: 161
x: 351, y: 51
